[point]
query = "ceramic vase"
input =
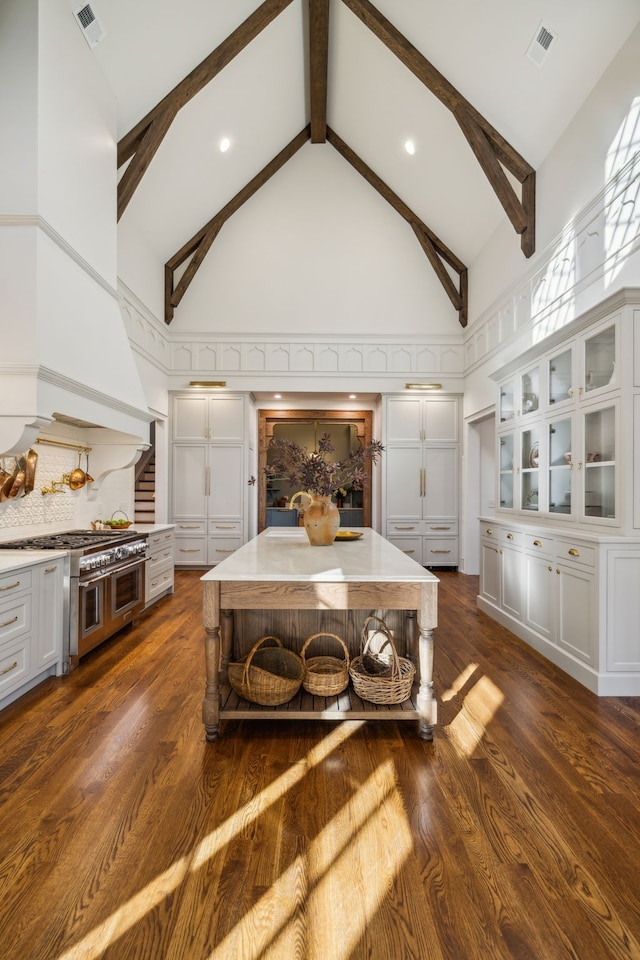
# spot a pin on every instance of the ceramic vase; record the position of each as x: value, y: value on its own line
x: 321, y: 521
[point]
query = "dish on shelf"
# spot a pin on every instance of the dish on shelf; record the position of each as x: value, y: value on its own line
x: 348, y: 535
x: 534, y: 455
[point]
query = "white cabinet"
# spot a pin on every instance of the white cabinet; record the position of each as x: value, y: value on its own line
x: 159, y: 566
x: 31, y: 625
x: 421, y: 488
x: 564, y: 421
x: 209, y: 502
x: 574, y: 599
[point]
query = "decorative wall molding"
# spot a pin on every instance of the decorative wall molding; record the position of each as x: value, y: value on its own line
x: 34, y: 220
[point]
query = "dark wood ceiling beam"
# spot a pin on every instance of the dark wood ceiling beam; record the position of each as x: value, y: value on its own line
x: 318, y: 65
x: 141, y: 142
x: 434, y: 248
x: 199, y: 245
x: 502, y: 150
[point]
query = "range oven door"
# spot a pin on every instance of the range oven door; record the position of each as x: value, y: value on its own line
x: 125, y: 595
x: 92, y: 620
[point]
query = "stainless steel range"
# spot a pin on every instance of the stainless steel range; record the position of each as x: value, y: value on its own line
x: 106, y: 583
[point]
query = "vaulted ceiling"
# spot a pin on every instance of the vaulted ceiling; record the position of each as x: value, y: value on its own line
x: 286, y: 75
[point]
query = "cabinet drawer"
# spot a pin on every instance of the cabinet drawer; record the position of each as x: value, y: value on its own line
x: 15, y: 617
x: 441, y: 528
x: 189, y: 528
x: 443, y: 550
x: 14, y: 665
x: 225, y: 528
x: 158, y: 541
x: 512, y: 538
x: 16, y: 582
x: 161, y: 554
x: 490, y: 532
x: 568, y: 552
x: 221, y: 547
x: 159, y: 579
x: 401, y: 528
x: 545, y: 546
x: 190, y: 550
x: 412, y: 546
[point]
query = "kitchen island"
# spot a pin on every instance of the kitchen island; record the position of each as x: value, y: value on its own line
x: 280, y: 571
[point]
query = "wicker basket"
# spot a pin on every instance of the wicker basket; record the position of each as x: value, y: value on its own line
x: 325, y: 676
x: 267, y: 675
x: 392, y: 688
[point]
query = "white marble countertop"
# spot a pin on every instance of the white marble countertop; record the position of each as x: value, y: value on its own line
x: 284, y: 553
x: 152, y: 527
x: 16, y: 559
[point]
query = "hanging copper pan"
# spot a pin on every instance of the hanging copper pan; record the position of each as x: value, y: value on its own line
x: 19, y: 475
x: 78, y: 477
x: 30, y: 473
x: 88, y: 476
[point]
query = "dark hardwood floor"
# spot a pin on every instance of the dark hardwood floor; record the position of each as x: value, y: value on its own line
x: 125, y: 835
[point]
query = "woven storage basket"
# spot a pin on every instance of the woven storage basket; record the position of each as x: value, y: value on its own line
x: 395, y: 687
x: 267, y: 675
x: 325, y: 676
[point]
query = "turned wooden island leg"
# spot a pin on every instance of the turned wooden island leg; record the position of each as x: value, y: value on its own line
x: 428, y: 619
x: 211, y: 620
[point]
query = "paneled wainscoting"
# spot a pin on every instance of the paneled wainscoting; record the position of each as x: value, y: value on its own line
x: 124, y: 835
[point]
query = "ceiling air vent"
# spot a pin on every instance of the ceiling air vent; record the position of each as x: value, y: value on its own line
x: 539, y: 47
x: 89, y: 24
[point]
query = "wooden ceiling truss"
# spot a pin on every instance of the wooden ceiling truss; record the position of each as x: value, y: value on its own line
x: 492, y: 151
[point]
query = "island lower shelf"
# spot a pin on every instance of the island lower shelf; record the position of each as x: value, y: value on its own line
x: 305, y: 706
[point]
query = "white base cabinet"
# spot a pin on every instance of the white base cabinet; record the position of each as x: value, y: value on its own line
x: 575, y: 599
x: 159, y: 565
x: 31, y: 624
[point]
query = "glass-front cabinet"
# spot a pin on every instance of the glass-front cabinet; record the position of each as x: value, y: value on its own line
x: 559, y: 428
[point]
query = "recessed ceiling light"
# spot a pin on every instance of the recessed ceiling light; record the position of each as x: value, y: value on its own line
x: 224, y: 144
x: 277, y: 396
x: 353, y: 396
x: 410, y: 147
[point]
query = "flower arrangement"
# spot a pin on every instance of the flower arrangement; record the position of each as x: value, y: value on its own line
x: 314, y: 473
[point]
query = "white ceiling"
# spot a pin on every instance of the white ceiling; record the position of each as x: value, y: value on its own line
x: 260, y: 100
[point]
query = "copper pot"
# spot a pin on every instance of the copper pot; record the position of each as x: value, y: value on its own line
x: 30, y: 474
x: 78, y: 477
x: 18, y: 478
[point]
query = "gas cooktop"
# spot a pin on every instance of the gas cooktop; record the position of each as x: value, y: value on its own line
x: 71, y: 540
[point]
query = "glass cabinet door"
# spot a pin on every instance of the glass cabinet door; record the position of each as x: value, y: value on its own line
x: 507, y: 402
x: 529, y: 469
x: 560, y: 379
x: 600, y: 359
x: 560, y: 466
x: 530, y: 391
x: 507, y: 473
x: 599, y: 470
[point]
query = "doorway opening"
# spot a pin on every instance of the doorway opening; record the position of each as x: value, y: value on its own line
x: 347, y: 429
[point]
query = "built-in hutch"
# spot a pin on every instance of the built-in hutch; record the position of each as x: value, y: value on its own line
x: 560, y: 560
x: 421, y: 470
x: 209, y: 476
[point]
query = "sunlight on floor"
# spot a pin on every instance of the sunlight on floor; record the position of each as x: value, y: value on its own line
x: 326, y: 899
x: 460, y: 681
x: 478, y: 709
x: 130, y: 913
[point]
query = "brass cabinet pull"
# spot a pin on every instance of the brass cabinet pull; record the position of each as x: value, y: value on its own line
x: 7, y: 622
x: 550, y: 569
x: 439, y: 528
x: 155, y: 540
x: 50, y: 569
x: 537, y: 543
x: 225, y: 549
x: 189, y: 550
x: 509, y: 536
x: 408, y: 551
x: 574, y: 553
x: 440, y: 551
x: 225, y: 526
x: 9, y: 669
x: 410, y: 526
x: 11, y: 586
x: 489, y: 531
